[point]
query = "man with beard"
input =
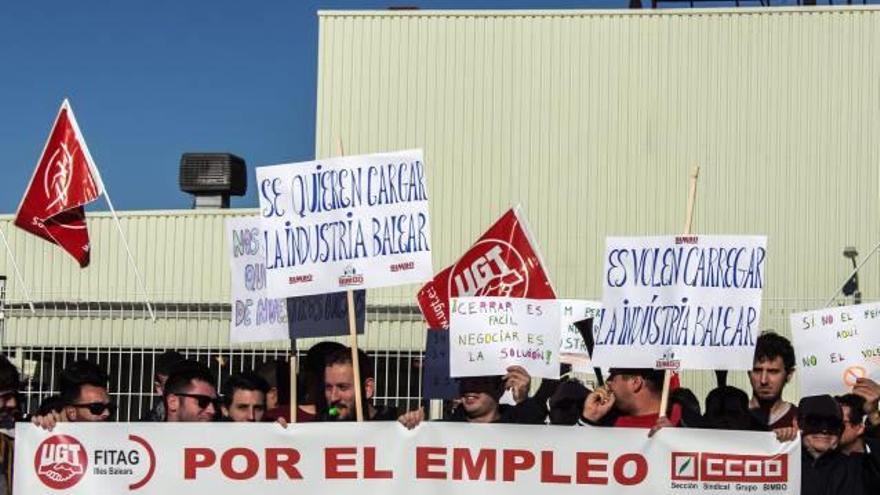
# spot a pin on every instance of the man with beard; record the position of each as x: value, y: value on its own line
x: 772, y: 369
x: 9, y: 414
x: 84, y: 396
x: 339, y: 390
x: 190, y: 394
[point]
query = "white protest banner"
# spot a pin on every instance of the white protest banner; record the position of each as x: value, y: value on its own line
x: 383, y: 457
x: 351, y: 222
x: 572, y: 347
x: 488, y: 334
x: 835, y: 346
x: 255, y: 316
x: 689, y: 302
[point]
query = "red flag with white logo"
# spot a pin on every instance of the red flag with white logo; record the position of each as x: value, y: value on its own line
x: 504, y: 262
x: 64, y: 181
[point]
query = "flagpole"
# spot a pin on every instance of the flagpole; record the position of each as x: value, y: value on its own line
x: 94, y: 168
x: 27, y: 293
x: 137, y: 273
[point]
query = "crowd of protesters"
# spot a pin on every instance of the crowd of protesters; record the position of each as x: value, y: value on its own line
x: 840, y: 435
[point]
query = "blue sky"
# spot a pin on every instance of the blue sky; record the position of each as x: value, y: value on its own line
x: 151, y: 80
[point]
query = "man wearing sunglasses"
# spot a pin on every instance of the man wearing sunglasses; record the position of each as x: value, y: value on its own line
x: 84, y: 396
x: 190, y: 394
x: 84, y: 393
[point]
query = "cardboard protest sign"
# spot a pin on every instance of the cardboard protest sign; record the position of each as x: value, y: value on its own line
x: 255, y: 315
x: 352, y: 222
x: 690, y: 302
x: 572, y: 348
x: 436, y: 380
x: 324, y: 315
x: 835, y: 346
x: 504, y: 262
x: 489, y: 334
x: 382, y: 457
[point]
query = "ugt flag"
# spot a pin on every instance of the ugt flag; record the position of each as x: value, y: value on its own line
x: 503, y: 262
x: 64, y: 181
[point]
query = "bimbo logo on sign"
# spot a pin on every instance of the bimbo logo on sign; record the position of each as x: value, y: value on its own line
x: 738, y: 468
x: 60, y: 462
x: 491, y: 268
x: 350, y: 277
x: 668, y: 361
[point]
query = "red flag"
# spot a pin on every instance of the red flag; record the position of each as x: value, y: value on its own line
x: 503, y: 262
x: 64, y: 181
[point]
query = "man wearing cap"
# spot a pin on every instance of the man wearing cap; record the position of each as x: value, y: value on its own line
x: 479, y: 398
x: 824, y: 469
x: 630, y: 398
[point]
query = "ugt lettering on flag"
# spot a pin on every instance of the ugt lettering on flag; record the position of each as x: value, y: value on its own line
x: 504, y: 262
x: 64, y: 181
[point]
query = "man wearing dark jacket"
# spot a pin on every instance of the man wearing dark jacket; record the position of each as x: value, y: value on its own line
x: 10, y: 412
x: 824, y: 469
x: 479, y: 398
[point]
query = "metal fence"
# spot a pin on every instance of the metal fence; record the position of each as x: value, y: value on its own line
x: 397, y: 359
x: 132, y: 370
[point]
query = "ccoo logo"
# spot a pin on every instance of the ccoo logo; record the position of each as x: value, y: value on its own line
x: 491, y: 268
x: 60, y: 462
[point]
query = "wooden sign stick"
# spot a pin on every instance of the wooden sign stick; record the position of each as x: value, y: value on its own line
x: 293, y: 402
x: 688, y: 224
x: 352, y: 334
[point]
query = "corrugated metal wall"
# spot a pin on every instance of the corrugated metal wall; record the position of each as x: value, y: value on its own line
x: 592, y: 120
x: 183, y: 259
x: 97, y: 313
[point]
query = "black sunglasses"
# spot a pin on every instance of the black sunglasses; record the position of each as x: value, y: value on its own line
x: 97, y: 408
x: 203, y: 401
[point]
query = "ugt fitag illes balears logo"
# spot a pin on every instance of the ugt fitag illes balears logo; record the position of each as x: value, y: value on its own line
x: 61, y: 462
